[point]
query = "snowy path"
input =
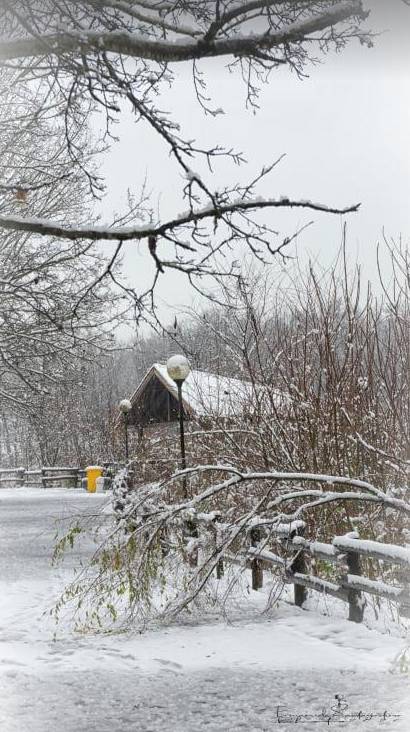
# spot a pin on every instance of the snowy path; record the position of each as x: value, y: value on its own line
x: 184, y: 678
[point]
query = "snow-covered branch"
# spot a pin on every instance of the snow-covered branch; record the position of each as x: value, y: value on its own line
x: 159, y: 540
x: 136, y: 45
x: 44, y: 227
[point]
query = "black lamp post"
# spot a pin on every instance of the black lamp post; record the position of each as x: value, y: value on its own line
x: 125, y: 408
x: 178, y: 369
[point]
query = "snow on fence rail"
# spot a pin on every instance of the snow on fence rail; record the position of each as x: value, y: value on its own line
x: 344, y: 551
x: 42, y: 477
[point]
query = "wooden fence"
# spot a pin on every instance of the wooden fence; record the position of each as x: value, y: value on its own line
x: 346, y: 552
x: 42, y: 477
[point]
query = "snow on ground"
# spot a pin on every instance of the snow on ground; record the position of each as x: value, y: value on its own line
x: 256, y: 672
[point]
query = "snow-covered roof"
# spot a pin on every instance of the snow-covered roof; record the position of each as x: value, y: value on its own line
x: 209, y: 394
x: 204, y: 393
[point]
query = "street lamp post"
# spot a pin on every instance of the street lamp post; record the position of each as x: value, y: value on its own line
x: 178, y: 369
x: 125, y: 408
x: 181, y: 424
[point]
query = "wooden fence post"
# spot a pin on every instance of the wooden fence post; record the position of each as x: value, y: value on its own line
x: 191, y: 534
x: 299, y: 565
x: 220, y: 569
x: 43, y: 478
x: 355, y: 597
x: 220, y: 562
x: 21, y: 473
x: 257, y: 571
x: 404, y: 607
x: 403, y: 576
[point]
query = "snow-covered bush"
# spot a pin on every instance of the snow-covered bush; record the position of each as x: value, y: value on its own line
x: 327, y: 371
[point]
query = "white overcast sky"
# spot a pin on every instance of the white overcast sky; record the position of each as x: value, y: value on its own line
x: 345, y: 132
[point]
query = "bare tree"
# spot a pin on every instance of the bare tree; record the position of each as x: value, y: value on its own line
x: 51, y: 312
x: 93, y: 55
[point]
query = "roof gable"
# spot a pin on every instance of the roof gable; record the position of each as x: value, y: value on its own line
x: 203, y: 393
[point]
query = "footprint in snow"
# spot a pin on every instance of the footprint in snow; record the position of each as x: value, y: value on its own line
x: 165, y: 662
x: 11, y: 662
x: 61, y: 652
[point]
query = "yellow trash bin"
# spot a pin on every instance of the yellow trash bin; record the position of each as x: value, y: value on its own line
x: 93, y: 472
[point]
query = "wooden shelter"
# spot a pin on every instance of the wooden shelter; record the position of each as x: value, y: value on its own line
x: 155, y: 400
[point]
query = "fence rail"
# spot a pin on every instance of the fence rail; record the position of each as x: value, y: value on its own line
x: 345, y: 552
x: 41, y: 477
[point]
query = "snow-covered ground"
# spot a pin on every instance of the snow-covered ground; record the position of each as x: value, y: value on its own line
x: 257, y: 672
